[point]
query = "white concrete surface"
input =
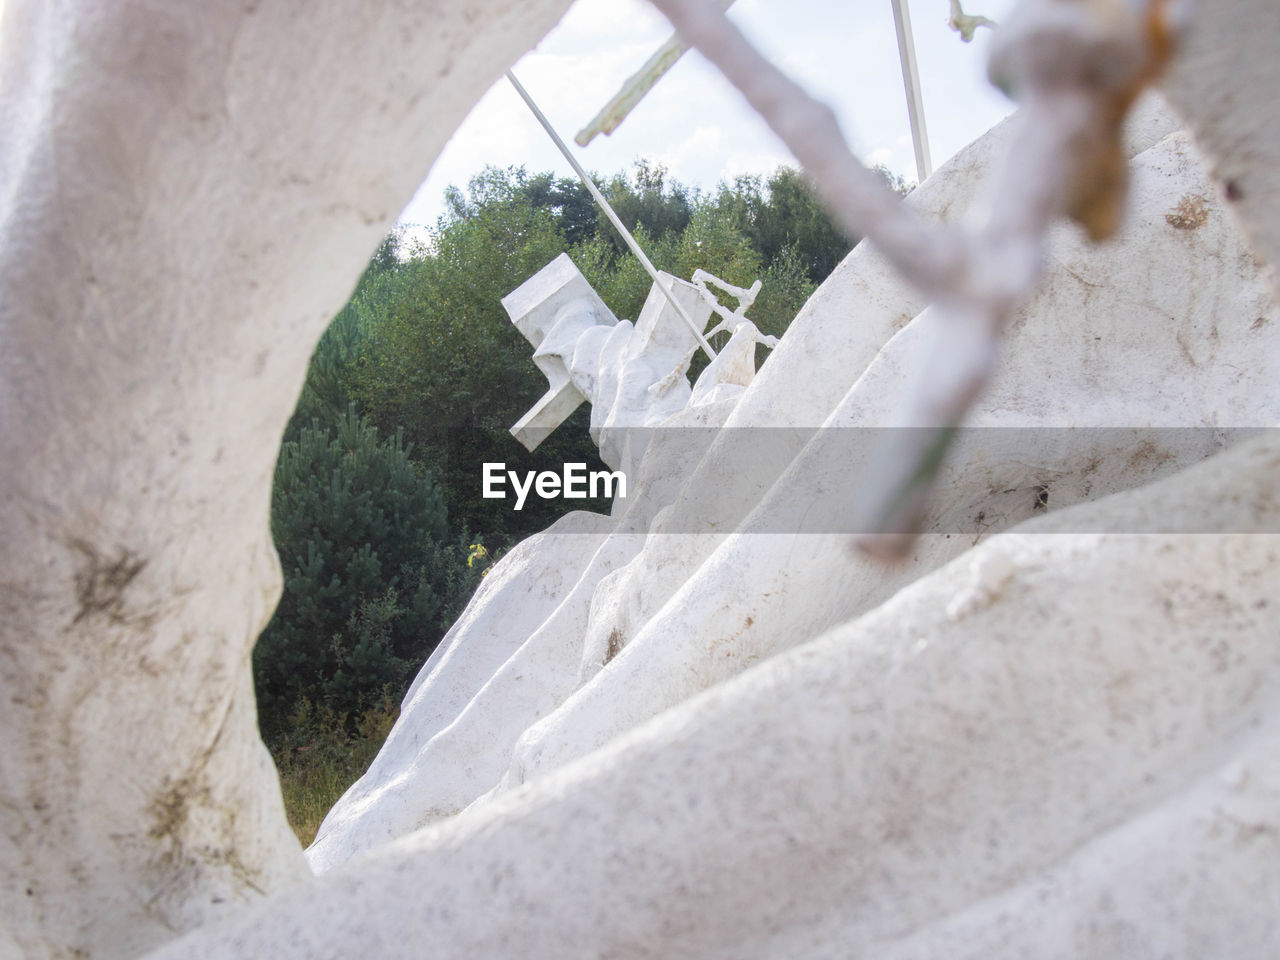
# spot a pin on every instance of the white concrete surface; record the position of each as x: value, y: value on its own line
x: 1095, y: 349
x: 1054, y: 744
x: 1081, y: 767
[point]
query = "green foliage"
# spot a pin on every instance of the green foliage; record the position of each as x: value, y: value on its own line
x: 785, y: 214
x: 716, y: 244
x: 621, y: 280
x: 785, y: 287
x: 320, y: 753
x: 357, y: 525
x: 441, y: 360
x: 325, y: 394
x: 577, y: 217
x: 646, y: 199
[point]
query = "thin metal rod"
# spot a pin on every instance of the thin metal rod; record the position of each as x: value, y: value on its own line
x: 613, y: 217
x: 911, y: 80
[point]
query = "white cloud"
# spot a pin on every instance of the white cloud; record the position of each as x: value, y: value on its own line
x: 880, y: 157
x: 747, y: 163
x: 704, y: 141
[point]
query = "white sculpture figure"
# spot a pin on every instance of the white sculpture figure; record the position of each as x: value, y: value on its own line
x: 633, y: 376
x: 1058, y: 742
x: 729, y: 321
x: 735, y: 364
x: 555, y: 309
x: 678, y: 643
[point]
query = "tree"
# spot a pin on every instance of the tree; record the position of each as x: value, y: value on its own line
x: 785, y: 288
x: 648, y: 199
x: 796, y: 218
x: 355, y: 522
x: 785, y: 212
x: 577, y: 217
x: 441, y: 360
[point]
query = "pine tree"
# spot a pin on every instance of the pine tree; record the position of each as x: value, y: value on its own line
x: 358, y: 526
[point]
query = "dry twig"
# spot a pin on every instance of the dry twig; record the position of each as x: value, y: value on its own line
x: 966, y: 24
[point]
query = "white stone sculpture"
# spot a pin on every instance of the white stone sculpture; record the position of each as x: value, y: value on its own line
x: 634, y: 376
x: 554, y: 310
x: 870, y: 821
x: 1052, y: 744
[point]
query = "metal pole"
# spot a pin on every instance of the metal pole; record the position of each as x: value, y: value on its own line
x: 613, y: 217
x: 911, y: 80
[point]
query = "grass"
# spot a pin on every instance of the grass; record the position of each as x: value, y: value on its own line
x: 321, y: 756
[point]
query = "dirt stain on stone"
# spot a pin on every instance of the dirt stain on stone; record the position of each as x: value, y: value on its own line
x: 1191, y: 213
x: 101, y: 581
x: 1042, y: 498
x: 615, y: 645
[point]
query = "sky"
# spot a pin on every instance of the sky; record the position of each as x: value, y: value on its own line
x: 695, y: 124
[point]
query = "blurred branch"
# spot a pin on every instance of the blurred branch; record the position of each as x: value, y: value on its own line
x: 636, y: 86
x: 966, y: 24
x: 1075, y: 67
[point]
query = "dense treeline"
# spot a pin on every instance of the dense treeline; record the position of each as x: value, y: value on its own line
x: 377, y: 513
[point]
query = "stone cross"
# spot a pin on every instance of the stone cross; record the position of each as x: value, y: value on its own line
x: 551, y: 309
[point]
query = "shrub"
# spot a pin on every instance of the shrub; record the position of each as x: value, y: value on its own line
x: 321, y: 754
x: 359, y: 529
